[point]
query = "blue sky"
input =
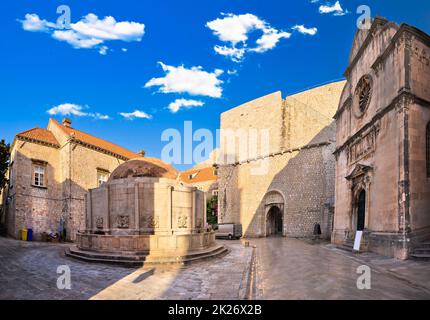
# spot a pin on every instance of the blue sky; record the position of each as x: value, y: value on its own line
x: 116, y: 68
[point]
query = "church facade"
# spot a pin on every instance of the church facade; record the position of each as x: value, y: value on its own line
x: 383, y: 141
x: 293, y: 189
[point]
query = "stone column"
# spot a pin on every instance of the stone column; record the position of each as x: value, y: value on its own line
x: 205, y: 213
x: 108, y: 207
x: 194, y: 208
x: 89, y: 207
x: 169, y: 206
x: 136, y: 207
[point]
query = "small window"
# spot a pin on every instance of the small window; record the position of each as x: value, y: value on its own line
x: 39, y: 175
x: 11, y: 175
x: 215, y: 193
x: 102, y: 177
x: 192, y: 176
x: 215, y: 172
x: 428, y: 149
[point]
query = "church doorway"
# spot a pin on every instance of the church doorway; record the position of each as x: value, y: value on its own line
x: 274, y: 223
x: 361, y: 210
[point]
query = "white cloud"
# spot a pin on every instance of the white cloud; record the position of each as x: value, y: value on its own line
x: 99, y: 116
x: 33, y: 23
x: 68, y: 109
x: 302, y: 29
x: 176, y: 105
x: 235, y: 29
x: 75, y: 40
x: 232, y: 72
x: 335, y: 8
x: 270, y: 39
x: 235, y: 54
x: 194, y: 81
x: 103, y: 50
x: 135, y: 114
x: 89, y: 32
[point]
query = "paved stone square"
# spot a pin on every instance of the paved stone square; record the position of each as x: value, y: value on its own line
x: 284, y: 269
x: 295, y: 269
x: 28, y: 270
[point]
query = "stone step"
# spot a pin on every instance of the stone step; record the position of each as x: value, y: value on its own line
x: 188, y: 257
x: 348, y: 245
x: 188, y: 260
x: 420, y: 256
x: 345, y: 247
x: 136, y: 261
x: 424, y: 245
x: 124, y: 263
x: 422, y: 250
x: 106, y: 255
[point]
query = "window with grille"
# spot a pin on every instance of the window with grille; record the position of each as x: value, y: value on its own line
x: 102, y: 177
x: 428, y: 149
x: 39, y: 175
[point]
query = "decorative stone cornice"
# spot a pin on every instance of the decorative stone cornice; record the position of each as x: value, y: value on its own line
x: 274, y: 154
x: 377, y: 22
x: 37, y: 141
x: 404, y: 34
x: 95, y: 148
x: 402, y: 100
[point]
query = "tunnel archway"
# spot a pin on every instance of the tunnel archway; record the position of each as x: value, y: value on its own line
x: 274, y: 223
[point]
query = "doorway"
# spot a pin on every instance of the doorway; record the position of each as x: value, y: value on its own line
x: 361, y: 210
x: 274, y: 223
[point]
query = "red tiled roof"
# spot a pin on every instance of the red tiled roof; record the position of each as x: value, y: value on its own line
x: 41, y: 135
x: 200, y: 175
x: 97, y: 142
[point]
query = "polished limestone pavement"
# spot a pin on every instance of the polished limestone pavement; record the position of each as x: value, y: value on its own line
x: 296, y: 269
x: 284, y: 269
x: 28, y: 270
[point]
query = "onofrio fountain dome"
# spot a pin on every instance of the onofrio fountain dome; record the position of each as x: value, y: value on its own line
x: 145, y: 213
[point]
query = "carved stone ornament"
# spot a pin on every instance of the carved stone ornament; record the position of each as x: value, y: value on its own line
x: 363, y: 93
x: 99, y: 222
x: 150, y: 222
x: 123, y: 222
x: 182, y: 221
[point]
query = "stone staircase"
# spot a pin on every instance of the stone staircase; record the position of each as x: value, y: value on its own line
x: 422, y: 252
x: 138, y: 260
x: 348, y: 245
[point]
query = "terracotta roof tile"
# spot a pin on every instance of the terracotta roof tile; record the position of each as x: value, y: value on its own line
x: 41, y: 135
x: 97, y: 142
x: 199, y: 175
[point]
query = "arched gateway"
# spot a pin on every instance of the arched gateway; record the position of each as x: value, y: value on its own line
x: 274, y: 213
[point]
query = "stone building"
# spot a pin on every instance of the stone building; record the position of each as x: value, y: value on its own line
x: 383, y: 141
x: 50, y: 172
x: 286, y: 185
x: 202, y: 177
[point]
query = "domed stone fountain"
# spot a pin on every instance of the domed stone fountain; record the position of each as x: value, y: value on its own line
x: 144, y: 214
